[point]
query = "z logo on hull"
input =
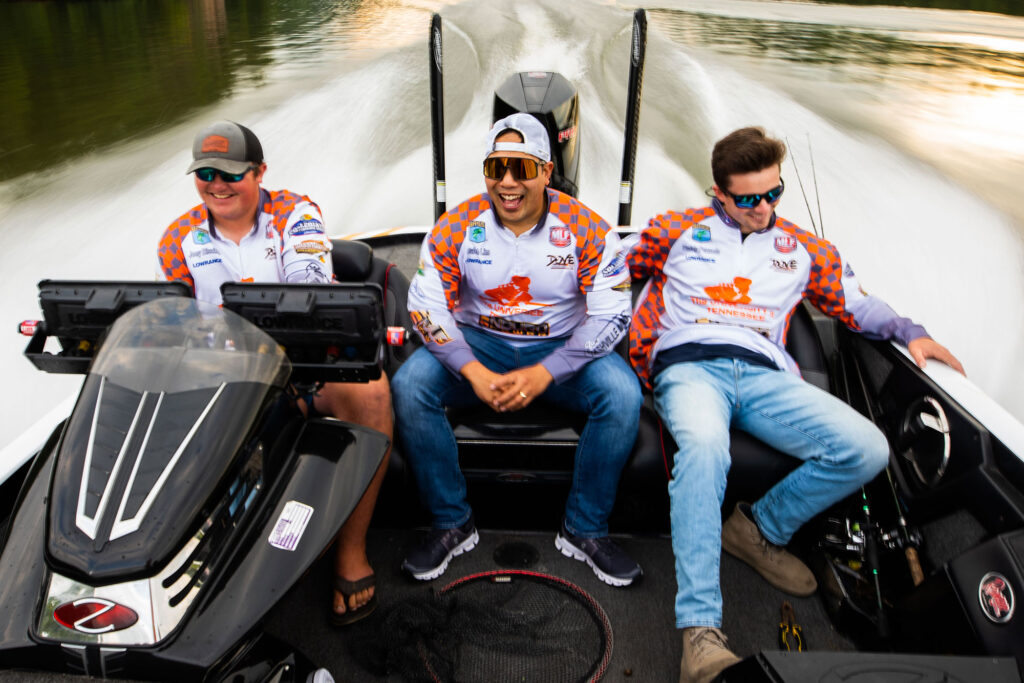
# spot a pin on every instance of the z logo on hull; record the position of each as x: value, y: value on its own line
x: 94, y: 616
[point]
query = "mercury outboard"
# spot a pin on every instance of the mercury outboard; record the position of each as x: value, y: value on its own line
x: 554, y: 101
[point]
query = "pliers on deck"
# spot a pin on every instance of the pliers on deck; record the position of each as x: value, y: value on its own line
x: 791, y: 636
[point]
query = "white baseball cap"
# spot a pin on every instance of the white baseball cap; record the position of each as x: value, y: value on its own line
x: 535, y: 136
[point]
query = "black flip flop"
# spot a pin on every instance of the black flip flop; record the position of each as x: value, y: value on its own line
x: 347, y: 588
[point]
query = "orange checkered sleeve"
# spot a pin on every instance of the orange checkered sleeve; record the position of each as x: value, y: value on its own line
x: 646, y: 260
x: 825, y: 282
x: 279, y: 205
x: 169, y: 252
x: 590, y: 230
x: 446, y: 240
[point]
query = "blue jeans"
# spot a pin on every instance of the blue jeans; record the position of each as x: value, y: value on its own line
x: 698, y: 401
x: 605, y: 389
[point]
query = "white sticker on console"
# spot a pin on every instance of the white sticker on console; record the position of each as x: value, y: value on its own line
x: 290, y: 526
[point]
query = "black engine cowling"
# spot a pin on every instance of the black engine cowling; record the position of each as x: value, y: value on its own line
x: 554, y: 101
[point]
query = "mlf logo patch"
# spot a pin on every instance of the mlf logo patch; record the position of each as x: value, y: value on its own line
x: 785, y: 244
x: 560, y: 236
x: 996, y: 598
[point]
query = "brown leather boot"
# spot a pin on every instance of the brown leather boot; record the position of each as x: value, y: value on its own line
x: 705, y: 654
x: 742, y: 539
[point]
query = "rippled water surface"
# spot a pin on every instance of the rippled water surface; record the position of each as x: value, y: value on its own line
x: 903, y: 125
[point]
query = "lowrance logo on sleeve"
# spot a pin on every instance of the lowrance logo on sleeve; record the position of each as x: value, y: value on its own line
x: 290, y: 526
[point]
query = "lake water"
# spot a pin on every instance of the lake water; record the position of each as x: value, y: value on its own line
x: 903, y: 125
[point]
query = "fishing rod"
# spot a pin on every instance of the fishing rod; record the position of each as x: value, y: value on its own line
x: 638, y: 53
x: 437, y: 114
x: 800, y: 182
x: 814, y: 176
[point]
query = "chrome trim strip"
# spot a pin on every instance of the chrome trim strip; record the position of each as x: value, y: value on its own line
x: 77, y: 652
x: 112, y: 477
x: 109, y: 653
x: 90, y: 524
x: 133, y: 524
x: 119, y: 528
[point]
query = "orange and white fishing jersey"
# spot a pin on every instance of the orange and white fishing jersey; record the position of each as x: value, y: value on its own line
x: 709, y: 285
x: 565, y: 277
x: 288, y: 243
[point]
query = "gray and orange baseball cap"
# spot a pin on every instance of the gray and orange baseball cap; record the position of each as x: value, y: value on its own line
x: 226, y: 146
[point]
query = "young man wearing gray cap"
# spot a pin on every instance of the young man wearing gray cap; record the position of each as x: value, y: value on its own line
x: 245, y: 233
x: 521, y: 295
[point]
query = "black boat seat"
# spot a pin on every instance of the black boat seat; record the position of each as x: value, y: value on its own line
x: 354, y: 262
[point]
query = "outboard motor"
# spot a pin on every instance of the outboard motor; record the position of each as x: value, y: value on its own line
x: 554, y: 101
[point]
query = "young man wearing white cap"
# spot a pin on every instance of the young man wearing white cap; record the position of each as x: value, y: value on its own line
x: 245, y: 233
x: 521, y: 296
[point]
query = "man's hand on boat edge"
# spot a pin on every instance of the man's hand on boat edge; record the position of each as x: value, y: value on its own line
x: 923, y: 348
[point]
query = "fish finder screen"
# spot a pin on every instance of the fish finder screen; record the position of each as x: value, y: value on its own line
x: 330, y: 332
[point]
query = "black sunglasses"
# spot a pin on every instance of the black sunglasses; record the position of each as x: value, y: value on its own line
x: 749, y: 201
x: 522, y: 169
x: 208, y: 174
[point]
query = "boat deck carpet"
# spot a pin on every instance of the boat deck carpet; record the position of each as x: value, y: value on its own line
x: 647, y: 646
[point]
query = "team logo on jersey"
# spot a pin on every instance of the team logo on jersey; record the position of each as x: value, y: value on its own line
x: 271, y: 254
x: 307, y: 225
x: 561, y: 261
x: 200, y: 236
x: 515, y: 326
x: 311, y: 247
x: 616, y: 265
x: 314, y: 273
x: 477, y: 232
x: 560, y: 236
x: 735, y: 292
x: 996, y: 598
x: 785, y: 244
x: 512, y: 298
x: 701, y: 233
x: 789, y: 266
x: 428, y: 329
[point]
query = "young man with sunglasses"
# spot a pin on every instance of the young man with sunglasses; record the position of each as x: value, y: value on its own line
x: 708, y: 337
x: 521, y: 295
x: 245, y: 233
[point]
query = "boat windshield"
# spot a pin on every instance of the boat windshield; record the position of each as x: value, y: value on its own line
x: 176, y: 344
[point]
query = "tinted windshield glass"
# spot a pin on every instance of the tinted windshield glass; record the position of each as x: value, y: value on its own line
x: 177, y: 344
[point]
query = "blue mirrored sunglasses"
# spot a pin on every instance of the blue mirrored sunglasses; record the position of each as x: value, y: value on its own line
x: 208, y: 174
x: 749, y: 201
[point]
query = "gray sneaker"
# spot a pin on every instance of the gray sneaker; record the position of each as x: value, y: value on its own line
x: 742, y: 539
x: 431, y: 557
x: 705, y: 654
x: 610, y: 563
